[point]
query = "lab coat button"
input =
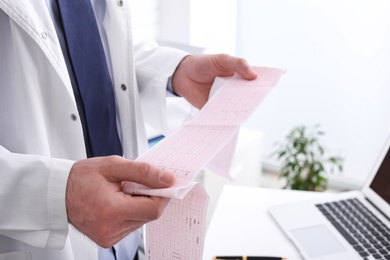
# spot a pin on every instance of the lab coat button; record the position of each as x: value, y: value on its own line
x: 73, y: 117
x: 123, y: 87
x: 120, y: 3
x: 44, y: 35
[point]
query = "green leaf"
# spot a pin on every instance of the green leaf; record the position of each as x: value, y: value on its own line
x: 303, y: 159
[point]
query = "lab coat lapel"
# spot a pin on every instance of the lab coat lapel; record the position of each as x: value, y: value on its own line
x: 34, y: 18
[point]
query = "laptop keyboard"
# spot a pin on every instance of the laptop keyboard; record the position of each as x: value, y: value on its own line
x: 365, y: 232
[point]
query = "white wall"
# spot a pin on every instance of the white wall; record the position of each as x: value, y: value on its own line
x: 206, y: 24
x: 335, y: 52
x: 145, y: 19
x: 337, y: 56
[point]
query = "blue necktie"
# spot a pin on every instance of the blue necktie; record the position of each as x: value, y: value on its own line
x: 93, y: 80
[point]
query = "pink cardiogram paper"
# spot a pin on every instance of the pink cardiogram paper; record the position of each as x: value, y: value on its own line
x: 180, y: 232
x: 209, y: 139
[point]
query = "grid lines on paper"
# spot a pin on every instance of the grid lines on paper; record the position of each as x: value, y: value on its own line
x: 232, y: 106
x: 185, y: 152
x: 179, y: 233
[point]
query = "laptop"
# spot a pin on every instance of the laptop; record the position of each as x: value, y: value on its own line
x: 324, y: 229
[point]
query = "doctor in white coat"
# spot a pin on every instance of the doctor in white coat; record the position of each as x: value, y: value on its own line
x: 55, y: 203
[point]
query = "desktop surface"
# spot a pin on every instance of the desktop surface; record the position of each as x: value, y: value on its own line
x: 241, y: 224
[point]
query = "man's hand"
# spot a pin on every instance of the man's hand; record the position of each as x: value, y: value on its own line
x: 97, y: 207
x: 195, y: 75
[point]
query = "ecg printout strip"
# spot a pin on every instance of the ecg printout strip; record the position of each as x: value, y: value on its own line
x: 184, y: 153
x: 180, y: 232
x: 211, y: 134
x: 188, y: 150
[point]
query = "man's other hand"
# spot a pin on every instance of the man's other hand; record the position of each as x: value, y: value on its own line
x: 195, y: 75
x: 98, y: 208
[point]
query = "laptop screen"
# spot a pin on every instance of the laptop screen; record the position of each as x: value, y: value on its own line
x: 381, y: 182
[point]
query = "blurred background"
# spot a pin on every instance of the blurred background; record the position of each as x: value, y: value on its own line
x: 336, y: 53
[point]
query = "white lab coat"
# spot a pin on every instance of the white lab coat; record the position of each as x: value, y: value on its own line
x: 40, y: 131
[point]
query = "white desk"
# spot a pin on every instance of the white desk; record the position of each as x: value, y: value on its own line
x: 241, y: 224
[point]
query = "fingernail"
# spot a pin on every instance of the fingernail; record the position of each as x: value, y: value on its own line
x: 167, y: 177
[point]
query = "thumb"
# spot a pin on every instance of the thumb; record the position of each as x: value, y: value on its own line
x: 142, y: 173
x: 233, y: 64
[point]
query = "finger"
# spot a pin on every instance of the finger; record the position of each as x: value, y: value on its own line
x: 142, y: 208
x: 127, y: 227
x: 232, y: 64
x: 107, y: 240
x: 140, y: 172
x: 132, y: 226
x: 137, y: 212
x: 129, y: 213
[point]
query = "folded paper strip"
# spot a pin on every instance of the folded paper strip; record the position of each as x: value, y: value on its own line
x: 208, y: 140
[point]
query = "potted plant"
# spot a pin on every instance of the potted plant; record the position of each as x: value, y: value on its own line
x: 304, y: 162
